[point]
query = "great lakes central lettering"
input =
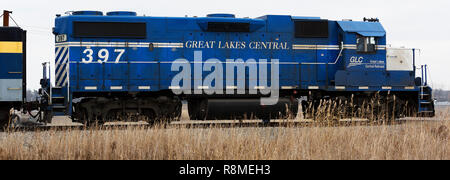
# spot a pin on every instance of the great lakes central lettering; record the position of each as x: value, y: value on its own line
x: 236, y: 45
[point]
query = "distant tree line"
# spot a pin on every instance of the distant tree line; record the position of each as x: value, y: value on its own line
x: 442, y: 95
x: 32, y: 95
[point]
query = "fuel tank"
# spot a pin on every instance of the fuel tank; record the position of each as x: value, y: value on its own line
x: 240, y: 109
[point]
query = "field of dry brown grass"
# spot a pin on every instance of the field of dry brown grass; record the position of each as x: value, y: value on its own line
x: 415, y: 139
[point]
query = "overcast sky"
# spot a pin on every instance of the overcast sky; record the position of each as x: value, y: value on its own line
x: 411, y: 23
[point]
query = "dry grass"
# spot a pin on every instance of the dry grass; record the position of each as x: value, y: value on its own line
x: 411, y: 140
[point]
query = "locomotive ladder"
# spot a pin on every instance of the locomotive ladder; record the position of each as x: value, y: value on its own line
x: 426, y: 104
x: 56, y: 100
x: 59, y: 104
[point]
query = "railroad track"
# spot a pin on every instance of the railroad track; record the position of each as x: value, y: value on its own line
x: 205, y: 124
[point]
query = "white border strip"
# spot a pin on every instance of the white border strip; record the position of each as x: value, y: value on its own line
x: 90, y: 88
x: 121, y: 44
x: 116, y: 87
x: 315, y: 47
x: 203, y: 87
x: 288, y: 87
x: 175, y: 87
x: 14, y: 89
x: 144, y: 88
x: 363, y: 87
x: 181, y: 45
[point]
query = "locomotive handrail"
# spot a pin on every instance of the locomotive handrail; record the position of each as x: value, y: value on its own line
x: 340, y: 52
x: 424, y: 70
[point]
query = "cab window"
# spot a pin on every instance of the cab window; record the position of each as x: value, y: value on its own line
x: 366, y: 44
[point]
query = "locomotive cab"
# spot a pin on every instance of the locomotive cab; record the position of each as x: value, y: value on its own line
x: 364, y: 55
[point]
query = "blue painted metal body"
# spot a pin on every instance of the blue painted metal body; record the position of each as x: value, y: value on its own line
x: 12, y: 65
x: 12, y: 59
x: 145, y: 65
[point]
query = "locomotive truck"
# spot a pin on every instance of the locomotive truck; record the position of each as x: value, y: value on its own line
x: 120, y: 65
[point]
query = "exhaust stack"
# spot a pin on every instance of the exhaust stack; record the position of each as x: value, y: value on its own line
x: 6, y: 18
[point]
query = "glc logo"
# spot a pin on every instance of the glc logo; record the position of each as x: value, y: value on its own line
x: 355, y: 61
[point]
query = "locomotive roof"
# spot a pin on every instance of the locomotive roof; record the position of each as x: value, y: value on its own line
x: 363, y: 28
x: 274, y: 22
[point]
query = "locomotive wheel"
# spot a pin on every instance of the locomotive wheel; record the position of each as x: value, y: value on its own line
x: 152, y: 117
x: 198, y: 109
x: 176, y: 116
x: 88, y: 121
x: 95, y: 123
x: 232, y: 109
x: 293, y: 110
x: 85, y: 118
x: 4, y: 118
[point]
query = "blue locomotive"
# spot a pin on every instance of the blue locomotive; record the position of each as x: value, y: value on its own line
x: 122, y: 66
x: 13, y: 68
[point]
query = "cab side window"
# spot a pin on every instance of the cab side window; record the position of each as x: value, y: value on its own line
x: 366, y: 44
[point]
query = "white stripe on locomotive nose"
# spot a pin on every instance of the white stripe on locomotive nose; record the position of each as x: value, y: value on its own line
x: 65, y: 82
x: 409, y: 87
x: 116, y: 87
x: 58, y: 74
x: 386, y: 87
x: 62, y: 60
x: 58, y: 62
x: 59, y: 83
x: 144, y: 87
x: 340, y: 87
x: 58, y: 50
